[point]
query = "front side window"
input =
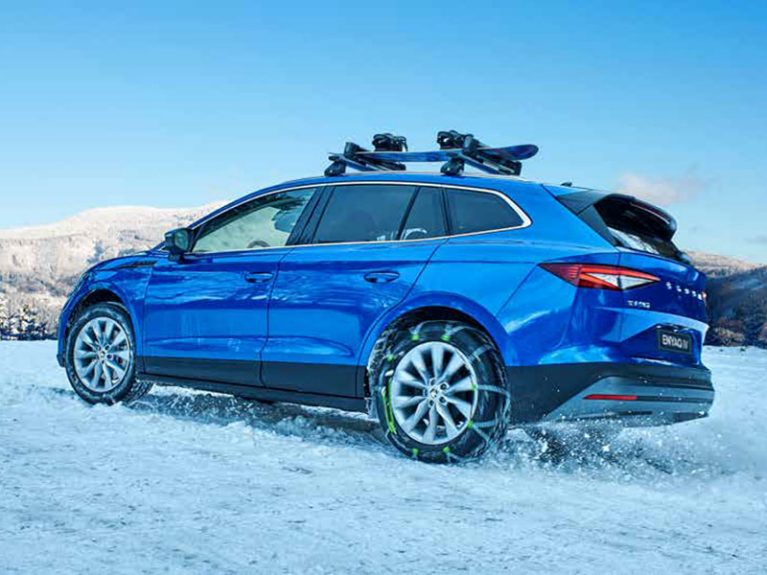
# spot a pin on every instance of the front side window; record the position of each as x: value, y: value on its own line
x: 472, y: 212
x: 364, y: 213
x: 261, y: 223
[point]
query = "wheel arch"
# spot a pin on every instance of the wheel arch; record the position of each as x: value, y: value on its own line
x: 104, y: 293
x: 436, y: 307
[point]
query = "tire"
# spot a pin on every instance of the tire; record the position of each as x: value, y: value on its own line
x: 100, y: 356
x: 460, y: 373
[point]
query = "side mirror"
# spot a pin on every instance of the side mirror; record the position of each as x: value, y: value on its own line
x: 178, y: 242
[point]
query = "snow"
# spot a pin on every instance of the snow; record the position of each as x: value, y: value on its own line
x: 201, y: 483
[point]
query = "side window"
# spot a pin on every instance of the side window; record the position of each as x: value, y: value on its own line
x: 472, y: 212
x: 364, y: 213
x: 262, y: 223
x: 426, y: 218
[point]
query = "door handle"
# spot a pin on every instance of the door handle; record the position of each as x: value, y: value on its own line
x: 258, y: 277
x: 381, y: 277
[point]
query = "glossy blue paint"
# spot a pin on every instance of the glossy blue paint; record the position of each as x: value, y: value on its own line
x: 326, y: 305
x: 122, y: 277
x: 325, y: 300
x: 209, y: 306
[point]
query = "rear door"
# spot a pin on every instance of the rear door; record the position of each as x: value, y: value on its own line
x: 367, y: 247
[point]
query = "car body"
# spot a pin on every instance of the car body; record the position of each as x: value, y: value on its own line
x: 299, y: 322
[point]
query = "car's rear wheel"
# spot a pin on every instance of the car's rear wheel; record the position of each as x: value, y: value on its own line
x: 440, y: 390
x: 101, y: 357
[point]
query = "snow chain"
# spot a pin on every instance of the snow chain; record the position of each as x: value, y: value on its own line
x: 384, y: 385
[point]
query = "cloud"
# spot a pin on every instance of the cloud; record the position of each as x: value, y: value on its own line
x: 662, y: 191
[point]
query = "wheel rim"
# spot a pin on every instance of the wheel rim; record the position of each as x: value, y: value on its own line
x: 102, y: 354
x: 434, y: 393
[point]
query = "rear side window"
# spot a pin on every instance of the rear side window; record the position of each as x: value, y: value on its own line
x: 426, y: 218
x: 472, y: 212
x: 364, y: 213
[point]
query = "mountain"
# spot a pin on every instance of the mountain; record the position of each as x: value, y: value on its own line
x: 48, y: 258
x: 738, y: 308
x: 737, y: 300
x: 715, y: 266
x: 39, y: 265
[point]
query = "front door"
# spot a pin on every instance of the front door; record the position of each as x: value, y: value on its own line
x: 205, y: 316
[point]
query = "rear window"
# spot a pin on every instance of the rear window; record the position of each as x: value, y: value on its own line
x: 627, y: 222
x: 472, y: 212
x: 637, y: 227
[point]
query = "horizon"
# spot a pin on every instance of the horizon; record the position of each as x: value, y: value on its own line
x: 177, y: 105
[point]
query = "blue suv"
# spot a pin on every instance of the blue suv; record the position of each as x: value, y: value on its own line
x: 448, y: 306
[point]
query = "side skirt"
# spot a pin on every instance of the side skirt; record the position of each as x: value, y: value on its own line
x: 262, y: 393
x: 303, y: 378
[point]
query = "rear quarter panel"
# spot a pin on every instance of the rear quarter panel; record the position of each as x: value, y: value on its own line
x: 494, y: 277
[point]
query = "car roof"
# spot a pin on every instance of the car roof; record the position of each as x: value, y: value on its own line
x: 472, y: 179
x: 469, y: 180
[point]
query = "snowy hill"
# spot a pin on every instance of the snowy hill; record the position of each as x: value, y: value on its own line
x: 49, y: 256
x: 738, y: 308
x: 737, y: 300
x: 39, y: 265
x: 719, y: 266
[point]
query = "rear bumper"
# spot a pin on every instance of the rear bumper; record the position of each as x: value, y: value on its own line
x: 635, y: 394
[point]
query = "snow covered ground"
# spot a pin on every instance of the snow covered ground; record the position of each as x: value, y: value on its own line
x: 202, y: 483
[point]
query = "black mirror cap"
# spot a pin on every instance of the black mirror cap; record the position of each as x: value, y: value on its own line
x: 179, y: 241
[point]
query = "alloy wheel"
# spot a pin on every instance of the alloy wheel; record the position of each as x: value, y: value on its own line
x: 434, y: 393
x: 102, y: 354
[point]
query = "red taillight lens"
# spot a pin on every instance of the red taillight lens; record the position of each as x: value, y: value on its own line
x: 600, y: 276
x: 611, y: 397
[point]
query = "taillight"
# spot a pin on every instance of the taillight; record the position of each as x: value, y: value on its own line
x: 600, y: 276
x: 611, y: 397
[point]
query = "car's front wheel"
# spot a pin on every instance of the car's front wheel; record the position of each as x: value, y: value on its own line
x: 101, y: 356
x: 440, y: 391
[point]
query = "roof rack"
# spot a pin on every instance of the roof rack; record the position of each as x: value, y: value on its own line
x: 456, y: 150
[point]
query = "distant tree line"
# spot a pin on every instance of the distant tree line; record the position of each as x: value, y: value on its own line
x: 25, y: 317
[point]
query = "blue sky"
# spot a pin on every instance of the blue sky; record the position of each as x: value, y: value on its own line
x: 182, y: 103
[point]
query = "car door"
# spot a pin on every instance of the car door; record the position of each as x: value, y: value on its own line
x: 369, y: 242
x: 205, y: 315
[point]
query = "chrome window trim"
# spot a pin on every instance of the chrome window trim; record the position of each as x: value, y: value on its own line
x: 526, y: 221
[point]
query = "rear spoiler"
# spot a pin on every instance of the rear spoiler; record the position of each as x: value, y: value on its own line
x: 582, y: 203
